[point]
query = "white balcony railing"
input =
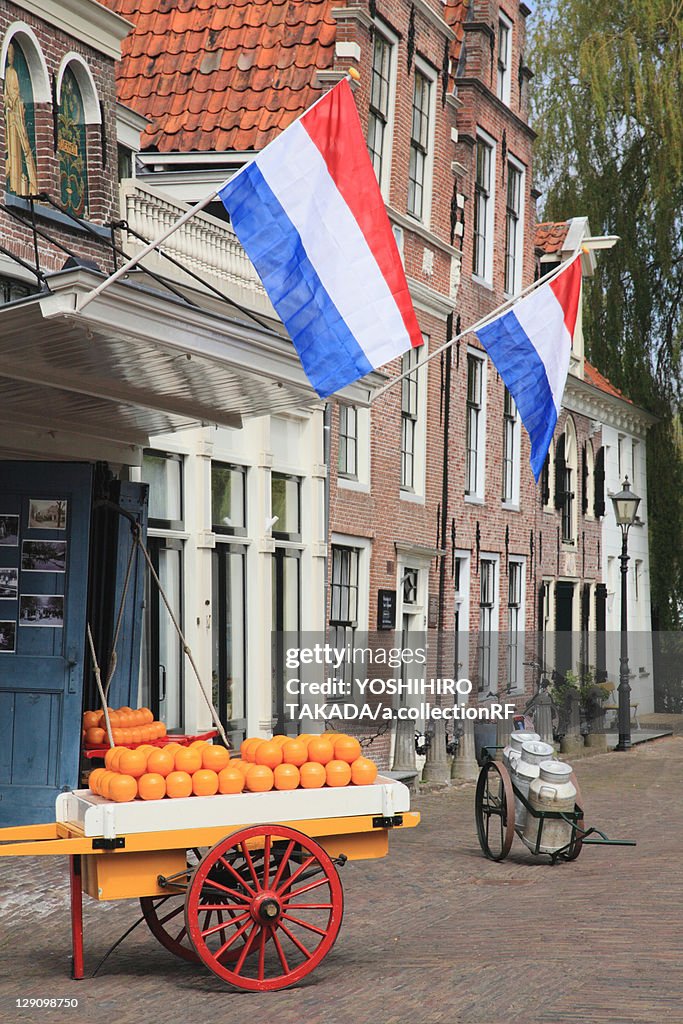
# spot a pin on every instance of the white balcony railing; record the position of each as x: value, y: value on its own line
x: 206, y: 245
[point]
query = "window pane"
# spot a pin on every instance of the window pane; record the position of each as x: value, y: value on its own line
x: 419, y: 142
x: 164, y: 478
x: 170, y: 651
x: 285, y: 503
x: 227, y: 497
x: 229, y: 637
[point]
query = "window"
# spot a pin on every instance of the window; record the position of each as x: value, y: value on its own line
x: 488, y: 626
x: 482, y: 257
x: 229, y: 587
x: 510, y: 493
x: 419, y: 145
x: 621, y: 459
x: 348, y: 442
x: 634, y: 465
x: 504, y: 59
x: 20, y: 126
x: 474, y: 427
x: 379, y: 128
x: 461, y: 624
x: 565, y: 481
x: 162, y: 659
x: 411, y: 578
x: 11, y: 290
x: 515, y: 658
x: 409, y: 417
x: 588, y: 500
x: 72, y: 147
x: 599, y: 484
x: 637, y: 577
x: 228, y: 498
x: 344, y: 602
x: 514, y: 228
x: 286, y: 505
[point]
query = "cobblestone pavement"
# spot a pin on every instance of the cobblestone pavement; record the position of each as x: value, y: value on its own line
x: 434, y: 933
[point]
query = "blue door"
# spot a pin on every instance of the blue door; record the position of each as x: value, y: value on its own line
x: 44, y: 530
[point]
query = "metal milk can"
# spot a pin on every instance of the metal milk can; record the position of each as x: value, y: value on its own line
x: 514, y: 746
x: 535, y: 752
x: 553, y: 790
x: 522, y: 775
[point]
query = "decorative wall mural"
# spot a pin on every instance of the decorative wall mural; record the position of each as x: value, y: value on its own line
x: 71, y: 143
x: 20, y: 163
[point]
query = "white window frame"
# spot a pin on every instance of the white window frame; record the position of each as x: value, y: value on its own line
x: 361, y: 481
x: 515, y: 285
x: 504, y: 73
x: 484, y: 273
x: 512, y: 437
x: 488, y: 616
x: 475, y: 494
x: 427, y: 72
x: 515, y: 652
x: 391, y: 39
x: 417, y: 491
x: 461, y: 626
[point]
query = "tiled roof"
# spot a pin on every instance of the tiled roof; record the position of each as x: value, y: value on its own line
x: 229, y: 74
x: 222, y: 74
x: 549, y: 237
x: 599, y: 381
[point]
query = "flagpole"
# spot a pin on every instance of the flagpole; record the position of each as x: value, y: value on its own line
x: 479, y: 324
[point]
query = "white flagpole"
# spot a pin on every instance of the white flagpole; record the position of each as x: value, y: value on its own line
x: 493, y: 315
x: 89, y: 296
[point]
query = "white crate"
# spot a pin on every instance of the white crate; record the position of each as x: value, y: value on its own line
x: 100, y: 817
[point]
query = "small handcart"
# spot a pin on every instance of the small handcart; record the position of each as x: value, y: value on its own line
x: 259, y: 904
x: 494, y: 807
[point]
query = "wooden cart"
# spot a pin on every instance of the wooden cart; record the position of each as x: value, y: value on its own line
x: 259, y: 904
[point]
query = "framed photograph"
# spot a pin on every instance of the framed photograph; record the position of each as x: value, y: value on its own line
x: 9, y: 531
x: 9, y: 583
x: 43, y: 555
x: 42, y: 610
x: 8, y: 636
x: 48, y: 514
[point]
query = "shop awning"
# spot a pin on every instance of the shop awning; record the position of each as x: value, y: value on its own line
x: 134, y: 363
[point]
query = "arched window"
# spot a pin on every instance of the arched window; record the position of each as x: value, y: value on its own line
x: 20, y: 128
x: 72, y: 146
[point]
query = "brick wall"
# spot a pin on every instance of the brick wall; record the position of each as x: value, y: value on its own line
x: 102, y: 160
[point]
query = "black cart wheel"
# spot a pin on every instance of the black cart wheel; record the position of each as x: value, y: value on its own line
x: 494, y: 808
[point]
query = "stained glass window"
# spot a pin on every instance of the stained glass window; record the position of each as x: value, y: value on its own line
x: 71, y: 143
x: 20, y: 129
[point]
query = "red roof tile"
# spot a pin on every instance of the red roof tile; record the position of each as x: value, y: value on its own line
x: 549, y: 237
x: 222, y: 74
x: 229, y: 74
x: 599, y: 381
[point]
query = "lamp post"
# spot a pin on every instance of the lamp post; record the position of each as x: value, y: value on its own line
x: 625, y: 508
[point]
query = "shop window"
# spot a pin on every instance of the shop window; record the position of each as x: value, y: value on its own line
x: 344, y: 602
x: 20, y: 127
x: 229, y: 637
x: 228, y: 499
x: 163, y: 472
x: 72, y: 147
x: 286, y: 505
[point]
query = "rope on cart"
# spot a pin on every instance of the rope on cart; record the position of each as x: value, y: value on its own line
x: 98, y: 680
x: 117, y: 943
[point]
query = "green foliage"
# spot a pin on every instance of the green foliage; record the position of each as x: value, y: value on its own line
x: 608, y: 112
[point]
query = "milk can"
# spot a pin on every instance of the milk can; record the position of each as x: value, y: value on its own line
x: 522, y: 775
x: 553, y: 790
x: 514, y: 747
x: 535, y: 751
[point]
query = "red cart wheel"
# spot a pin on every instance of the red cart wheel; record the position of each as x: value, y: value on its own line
x: 494, y: 807
x: 577, y: 845
x: 286, y: 917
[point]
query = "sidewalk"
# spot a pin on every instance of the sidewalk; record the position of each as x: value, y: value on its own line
x: 434, y: 934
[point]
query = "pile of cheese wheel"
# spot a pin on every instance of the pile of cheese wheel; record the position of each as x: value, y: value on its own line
x: 206, y: 769
x: 128, y: 726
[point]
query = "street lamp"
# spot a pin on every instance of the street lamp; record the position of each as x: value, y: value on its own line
x: 625, y: 507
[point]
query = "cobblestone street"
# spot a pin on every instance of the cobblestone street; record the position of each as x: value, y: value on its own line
x: 434, y: 933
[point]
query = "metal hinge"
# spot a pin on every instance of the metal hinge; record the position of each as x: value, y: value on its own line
x: 109, y: 844
x: 387, y: 822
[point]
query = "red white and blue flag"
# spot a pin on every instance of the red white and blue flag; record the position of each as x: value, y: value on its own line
x: 310, y: 216
x: 530, y: 346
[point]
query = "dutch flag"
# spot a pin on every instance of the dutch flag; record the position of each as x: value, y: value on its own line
x: 310, y: 216
x: 530, y: 347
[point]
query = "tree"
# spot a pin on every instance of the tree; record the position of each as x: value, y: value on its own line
x: 607, y: 109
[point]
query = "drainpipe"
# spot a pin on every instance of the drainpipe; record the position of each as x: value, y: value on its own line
x: 436, y: 767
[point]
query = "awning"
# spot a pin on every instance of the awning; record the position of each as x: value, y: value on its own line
x: 134, y: 363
